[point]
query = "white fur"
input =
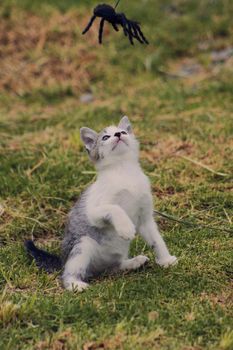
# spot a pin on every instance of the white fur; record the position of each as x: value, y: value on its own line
x: 121, y: 202
x: 122, y: 193
x: 134, y: 263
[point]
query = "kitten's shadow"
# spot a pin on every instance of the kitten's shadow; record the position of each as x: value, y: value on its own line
x: 115, y: 275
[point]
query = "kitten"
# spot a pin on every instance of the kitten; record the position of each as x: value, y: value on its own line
x: 108, y: 214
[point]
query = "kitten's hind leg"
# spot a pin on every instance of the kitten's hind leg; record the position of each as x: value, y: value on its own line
x: 134, y: 263
x: 77, y: 264
x: 149, y: 231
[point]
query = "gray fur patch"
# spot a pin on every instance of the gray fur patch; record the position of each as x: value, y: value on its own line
x: 78, y: 227
x: 94, y: 153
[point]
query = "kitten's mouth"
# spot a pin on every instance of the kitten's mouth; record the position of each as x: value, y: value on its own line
x: 118, y: 141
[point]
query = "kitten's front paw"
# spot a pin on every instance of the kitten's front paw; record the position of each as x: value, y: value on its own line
x: 168, y: 261
x: 75, y: 285
x: 126, y: 230
x: 140, y: 260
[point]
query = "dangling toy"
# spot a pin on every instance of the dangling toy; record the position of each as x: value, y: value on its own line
x: 107, y: 13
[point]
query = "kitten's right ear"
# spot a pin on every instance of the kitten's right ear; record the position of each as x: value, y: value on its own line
x: 88, y: 137
x: 125, y: 124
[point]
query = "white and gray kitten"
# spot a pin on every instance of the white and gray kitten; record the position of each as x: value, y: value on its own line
x: 108, y: 214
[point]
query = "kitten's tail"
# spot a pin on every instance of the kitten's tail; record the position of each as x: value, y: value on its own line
x: 44, y: 260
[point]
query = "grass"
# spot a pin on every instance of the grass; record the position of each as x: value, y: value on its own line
x: 179, y: 99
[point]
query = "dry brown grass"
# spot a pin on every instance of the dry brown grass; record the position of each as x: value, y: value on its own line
x: 40, y: 52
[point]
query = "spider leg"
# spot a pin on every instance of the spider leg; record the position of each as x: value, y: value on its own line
x: 131, y: 35
x: 89, y: 24
x: 101, y: 30
x: 127, y: 29
x: 141, y: 33
x: 115, y: 27
x: 135, y: 33
x: 121, y: 19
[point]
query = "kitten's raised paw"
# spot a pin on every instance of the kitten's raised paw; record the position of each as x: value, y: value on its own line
x: 169, y: 261
x: 126, y: 230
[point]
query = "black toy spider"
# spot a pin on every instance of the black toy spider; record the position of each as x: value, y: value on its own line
x: 107, y: 13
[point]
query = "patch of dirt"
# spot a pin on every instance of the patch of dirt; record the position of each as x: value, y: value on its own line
x: 59, y: 341
x: 151, y: 340
x: 221, y: 55
x: 167, y: 148
x: 224, y: 299
x: 32, y: 140
x: 188, y: 69
x: 94, y: 346
x: 163, y: 192
x: 192, y: 72
x: 40, y: 53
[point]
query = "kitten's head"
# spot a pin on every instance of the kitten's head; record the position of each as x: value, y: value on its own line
x: 113, y: 144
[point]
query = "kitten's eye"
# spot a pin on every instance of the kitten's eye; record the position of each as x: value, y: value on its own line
x: 124, y: 132
x: 105, y: 137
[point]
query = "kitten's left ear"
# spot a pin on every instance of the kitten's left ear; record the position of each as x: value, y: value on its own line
x: 125, y: 124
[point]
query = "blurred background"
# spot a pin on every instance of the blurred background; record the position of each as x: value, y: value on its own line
x: 43, y: 52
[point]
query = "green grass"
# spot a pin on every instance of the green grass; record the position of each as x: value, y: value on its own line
x: 43, y: 169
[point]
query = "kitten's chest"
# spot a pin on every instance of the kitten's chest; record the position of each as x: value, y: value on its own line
x: 124, y: 188
x: 126, y: 191
x: 129, y: 201
x: 128, y: 194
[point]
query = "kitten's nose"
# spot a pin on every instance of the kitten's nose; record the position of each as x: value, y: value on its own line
x: 118, y: 134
